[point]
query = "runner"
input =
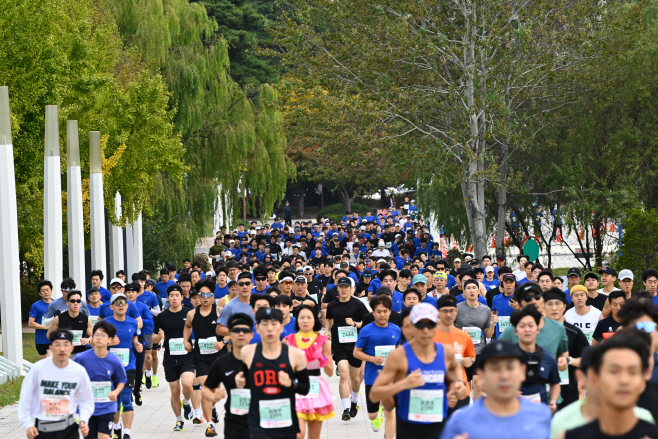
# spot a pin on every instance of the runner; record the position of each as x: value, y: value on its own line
x: 502, y: 413
x: 607, y: 327
x: 238, y: 305
x: 583, y: 316
x: 60, y: 304
x: 131, y: 291
x: 375, y: 342
x: 422, y: 374
x: 504, y: 304
x: 275, y: 373
x: 317, y: 406
x: 76, y: 322
x: 419, y: 282
x: 38, y: 309
x: 593, y: 297
x: 224, y: 370
x: 608, y: 278
x: 126, y: 328
x: 207, y: 348
x: 344, y: 318
x: 626, y: 279
x: 151, y: 361
x: 94, y: 304
x: 178, y: 363
x: 152, y: 303
x: 53, y: 391
x: 284, y: 304
x: 108, y: 377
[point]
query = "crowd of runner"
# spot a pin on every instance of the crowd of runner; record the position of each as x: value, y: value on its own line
x: 461, y: 349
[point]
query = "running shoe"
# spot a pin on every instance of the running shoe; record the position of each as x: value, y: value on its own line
x: 188, y: 412
x: 155, y: 381
x: 138, y: 398
x: 337, y: 372
x: 117, y: 434
x: 198, y: 421
x: 354, y: 409
x: 346, y: 415
x: 179, y: 426
x: 376, y: 424
x: 215, y: 415
x: 147, y: 382
x: 126, y: 436
x: 210, y: 431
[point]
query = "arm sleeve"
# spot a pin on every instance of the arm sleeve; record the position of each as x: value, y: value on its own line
x: 85, y: 399
x: 303, y: 383
x: 25, y: 401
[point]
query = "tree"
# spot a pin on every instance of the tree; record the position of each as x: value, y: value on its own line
x: 639, y: 249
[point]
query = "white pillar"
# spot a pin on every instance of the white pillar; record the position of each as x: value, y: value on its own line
x: 130, y: 247
x: 74, y: 205
x: 116, y: 239
x: 97, y: 213
x: 138, y: 244
x: 10, y: 286
x: 52, y: 204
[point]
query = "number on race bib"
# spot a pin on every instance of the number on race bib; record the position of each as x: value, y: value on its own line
x: 240, y: 400
x: 55, y: 407
x: 94, y: 320
x: 275, y: 413
x: 384, y: 351
x: 564, y: 376
x: 122, y: 354
x: 314, y: 391
x: 101, y: 390
x: 207, y: 345
x: 503, y: 322
x: 177, y: 346
x: 77, y: 335
x: 347, y: 334
x: 474, y: 333
x: 426, y: 405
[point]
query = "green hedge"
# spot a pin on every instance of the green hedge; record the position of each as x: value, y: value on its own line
x: 336, y: 213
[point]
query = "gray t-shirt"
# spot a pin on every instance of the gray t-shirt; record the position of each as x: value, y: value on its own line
x: 234, y: 307
x: 479, y: 317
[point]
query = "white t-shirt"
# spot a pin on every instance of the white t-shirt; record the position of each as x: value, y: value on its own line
x: 381, y: 253
x: 520, y: 274
x: 586, y: 323
x: 600, y: 291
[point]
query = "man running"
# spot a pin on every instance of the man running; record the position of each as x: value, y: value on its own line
x: 79, y: 324
x: 53, y: 391
x: 344, y: 318
x: 422, y: 374
x: 607, y: 327
x: 276, y: 372
x: 583, y: 316
x: 38, y: 309
x: 178, y: 363
x: 224, y: 371
x: 131, y: 291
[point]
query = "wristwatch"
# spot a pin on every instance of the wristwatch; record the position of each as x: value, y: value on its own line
x: 569, y: 360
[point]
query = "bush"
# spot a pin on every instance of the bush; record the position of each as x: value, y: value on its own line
x: 336, y: 213
x: 29, y: 295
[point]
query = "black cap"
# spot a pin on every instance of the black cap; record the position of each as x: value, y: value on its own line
x: 609, y: 270
x: 345, y: 280
x: 500, y: 257
x: 367, y: 271
x: 131, y: 287
x: 384, y: 290
x: 474, y: 262
x: 528, y: 287
x: 344, y: 264
x: 591, y: 275
x: 508, y: 276
x: 574, y: 272
x: 269, y: 314
x: 499, y: 349
x: 92, y: 289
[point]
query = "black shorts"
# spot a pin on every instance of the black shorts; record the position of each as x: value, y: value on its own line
x: 174, y: 371
x: 339, y: 353
x: 470, y: 371
x: 100, y: 424
x: 236, y: 430
x: 373, y: 407
x: 203, y: 366
x: 130, y: 378
x: 407, y: 430
x: 42, y: 349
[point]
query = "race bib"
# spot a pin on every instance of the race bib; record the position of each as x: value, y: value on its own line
x: 94, y: 319
x: 207, y: 345
x: 347, y: 334
x: 77, y: 335
x: 474, y: 333
x: 535, y: 398
x: 426, y: 405
x: 275, y: 413
x: 240, y: 400
x: 177, y: 346
x: 564, y: 376
x: 122, y: 354
x: 101, y: 390
x: 503, y: 322
x: 384, y: 351
x: 458, y: 357
x: 54, y: 407
x: 314, y: 297
x: 366, y: 302
x: 314, y: 391
x: 589, y: 335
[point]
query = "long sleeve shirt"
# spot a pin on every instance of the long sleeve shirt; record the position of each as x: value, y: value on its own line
x: 50, y: 393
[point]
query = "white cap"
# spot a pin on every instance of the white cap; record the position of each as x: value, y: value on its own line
x: 626, y: 274
x: 381, y: 243
x: 231, y: 241
x: 363, y: 227
x: 489, y: 268
x: 379, y: 261
x: 252, y: 232
x: 117, y: 280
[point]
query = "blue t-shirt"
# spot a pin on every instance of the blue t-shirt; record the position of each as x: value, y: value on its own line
x: 162, y: 288
x: 431, y: 300
x: 500, y: 303
x: 234, y: 307
x: 36, y: 312
x: 94, y: 311
x: 481, y: 299
x: 221, y: 292
x: 490, y: 285
x: 548, y: 372
x: 374, y: 285
x: 132, y: 312
x: 398, y: 301
x: 372, y: 336
x: 149, y: 299
x: 126, y: 330
x: 451, y: 282
x: 532, y: 420
x: 147, y: 318
x: 103, y: 369
x: 290, y: 327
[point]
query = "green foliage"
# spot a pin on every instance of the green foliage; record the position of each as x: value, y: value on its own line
x: 335, y: 212
x: 639, y: 249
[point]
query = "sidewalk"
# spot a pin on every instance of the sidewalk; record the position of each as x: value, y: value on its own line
x: 155, y: 419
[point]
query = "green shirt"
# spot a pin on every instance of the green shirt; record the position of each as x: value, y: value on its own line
x: 216, y: 250
x: 571, y: 417
x: 552, y: 337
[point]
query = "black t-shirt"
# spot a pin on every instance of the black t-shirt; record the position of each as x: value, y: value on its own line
x: 173, y: 324
x: 324, y: 280
x: 315, y: 287
x: 455, y: 291
x: 394, y: 318
x: 332, y: 294
x: 642, y: 430
x: 339, y: 311
x: 577, y: 343
x: 491, y: 294
x: 597, y: 302
x: 605, y: 329
x: 361, y: 289
x: 223, y: 370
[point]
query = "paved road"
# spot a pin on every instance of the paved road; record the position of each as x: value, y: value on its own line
x: 154, y: 419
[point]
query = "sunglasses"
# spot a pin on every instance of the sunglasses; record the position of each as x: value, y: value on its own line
x: 75, y: 301
x: 115, y: 287
x: 243, y: 284
x: 425, y: 324
x: 259, y: 278
x: 240, y: 330
x: 528, y: 298
x: 287, y: 282
x: 120, y: 302
x: 647, y: 327
x: 206, y: 295
x: 367, y: 275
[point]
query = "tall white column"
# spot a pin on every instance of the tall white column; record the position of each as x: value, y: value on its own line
x: 130, y: 255
x: 10, y: 286
x: 52, y: 204
x: 97, y: 213
x: 74, y: 205
x: 116, y: 239
x: 138, y: 244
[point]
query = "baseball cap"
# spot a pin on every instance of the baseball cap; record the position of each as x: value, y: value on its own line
x: 508, y: 276
x: 300, y: 279
x: 499, y: 349
x: 117, y: 296
x: 626, y: 274
x: 117, y: 280
x: 308, y: 268
x: 93, y: 289
x: 381, y: 243
x: 132, y: 287
x: 419, y: 278
x: 574, y: 272
x: 345, y: 280
x: 457, y: 260
x: 489, y: 268
x: 287, y: 279
x: 608, y: 270
x: 441, y: 274
x: 269, y: 314
x: 335, y: 237
x: 475, y: 262
x: 344, y: 264
x: 424, y: 311
x: 384, y: 290
x: 381, y: 261
x: 591, y: 275
x: 362, y: 227
x: 252, y: 232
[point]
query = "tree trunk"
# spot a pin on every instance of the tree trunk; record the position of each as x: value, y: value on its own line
x: 301, y: 202
x: 345, y: 198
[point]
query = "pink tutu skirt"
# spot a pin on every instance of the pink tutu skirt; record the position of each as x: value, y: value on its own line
x: 317, y: 409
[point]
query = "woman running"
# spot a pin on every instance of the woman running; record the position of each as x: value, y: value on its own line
x: 318, y: 405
